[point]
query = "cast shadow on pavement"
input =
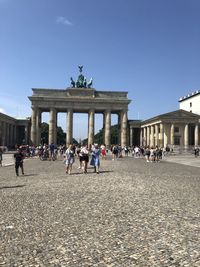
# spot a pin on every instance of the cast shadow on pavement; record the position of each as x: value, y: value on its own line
x: 11, y: 186
x: 88, y: 173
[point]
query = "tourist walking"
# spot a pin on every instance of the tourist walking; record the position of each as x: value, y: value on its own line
x: 84, y: 158
x: 196, y: 151
x: 52, y: 155
x: 147, y: 153
x: 114, y: 152
x: 95, y: 161
x: 103, y: 151
x: 69, y: 159
x: 152, y: 155
x: 18, y: 156
x: 126, y: 151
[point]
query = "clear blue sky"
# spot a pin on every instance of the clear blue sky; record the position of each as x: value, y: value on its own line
x: 150, y: 48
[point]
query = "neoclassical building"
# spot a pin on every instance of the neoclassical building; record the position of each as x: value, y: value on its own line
x: 78, y: 100
x: 177, y: 128
x: 14, y: 130
x: 80, y: 97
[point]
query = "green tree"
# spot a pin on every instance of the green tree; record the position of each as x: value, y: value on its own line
x: 61, y: 135
x: 44, y: 133
x: 98, y: 138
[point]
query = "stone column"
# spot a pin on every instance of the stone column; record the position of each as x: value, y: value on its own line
x: 148, y: 136
x: 103, y: 128
x: 38, y: 127
x: 3, y: 133
x: 107, y: 128
x: 69, y: 126
x: 55, y: 128
x: 52, y: 125
x: 186, y: 136
x: 196, y: 135
x: 131, y: 136
x: 156, y: 135
x: 152, y: 136
x: 119, y: 129
x: 123, y: 127
x: 161, y: 135
x: 166, y: 140
x: 33, y: 125
x: 91, y: 118
x: 14, y: 135
x: 141, y: 137
x: 6, y: 133
x: 182, y: 128
x: 144, y: 136
x: 26, y: 134
x: 11, y: 135
x: 172, y: 134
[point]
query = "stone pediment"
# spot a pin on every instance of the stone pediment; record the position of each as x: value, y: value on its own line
x: 179, y: 114
x: 174, y: 116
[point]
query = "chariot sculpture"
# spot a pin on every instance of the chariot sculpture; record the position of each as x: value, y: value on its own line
x: 81, y: 82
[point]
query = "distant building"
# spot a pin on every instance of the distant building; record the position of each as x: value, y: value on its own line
x: 191, y: 102
x: 14, y: 130
x: 176, y: 128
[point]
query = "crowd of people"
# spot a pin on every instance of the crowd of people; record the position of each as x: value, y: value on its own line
x: 86, y: 155
x: 151, y: 154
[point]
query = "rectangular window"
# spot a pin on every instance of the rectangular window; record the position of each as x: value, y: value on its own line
x: 190, y: 104
x: 177, y: 141
x: 176, y: 129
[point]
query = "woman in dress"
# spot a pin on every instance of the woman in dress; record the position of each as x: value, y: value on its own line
x: 84, y: 158
x: 95, y: 161
x: 69, y: 159
x: 103, y: 151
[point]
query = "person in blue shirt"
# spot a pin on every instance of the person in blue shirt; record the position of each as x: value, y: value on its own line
x: 95, y: 161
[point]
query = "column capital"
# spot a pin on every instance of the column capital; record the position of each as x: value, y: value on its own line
x: 53, y: 109
x: 107, y: 111
x: 34, y: 108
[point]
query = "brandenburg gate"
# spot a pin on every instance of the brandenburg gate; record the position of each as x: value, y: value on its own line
x: 80, y: 97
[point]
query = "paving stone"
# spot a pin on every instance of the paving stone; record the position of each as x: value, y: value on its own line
x: 131, y: 214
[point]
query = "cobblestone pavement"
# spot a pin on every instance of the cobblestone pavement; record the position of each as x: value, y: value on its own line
x: 187, y: 159
x: 8, y: 159
x: 131, y: 214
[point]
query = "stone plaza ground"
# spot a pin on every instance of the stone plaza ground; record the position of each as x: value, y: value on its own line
x: 132, y: 214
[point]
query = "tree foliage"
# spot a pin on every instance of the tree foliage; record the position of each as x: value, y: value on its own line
x: 61, y: 135
x: 99, y: 137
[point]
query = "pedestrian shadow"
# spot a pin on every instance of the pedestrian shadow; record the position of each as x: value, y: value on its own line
x: 11, y: 186
x: 29, y: 174
x: 105, y: 171
x: 74, y: 173
x: 87, y: 173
